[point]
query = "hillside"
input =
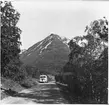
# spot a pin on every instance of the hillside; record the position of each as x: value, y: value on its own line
x: 49, y: 55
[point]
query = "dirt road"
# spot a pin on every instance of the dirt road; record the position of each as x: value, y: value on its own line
x: 47, y: 93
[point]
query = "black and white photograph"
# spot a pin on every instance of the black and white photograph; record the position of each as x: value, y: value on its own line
x: 54, y: 51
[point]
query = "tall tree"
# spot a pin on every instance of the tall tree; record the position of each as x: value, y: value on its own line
x: 88, y: 62
x: 10, y: 40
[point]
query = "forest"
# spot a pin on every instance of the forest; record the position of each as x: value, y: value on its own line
x: 86, y: 72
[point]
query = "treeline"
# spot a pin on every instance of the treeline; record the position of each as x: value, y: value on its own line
x: 86, y: 72
x: 11, y: 66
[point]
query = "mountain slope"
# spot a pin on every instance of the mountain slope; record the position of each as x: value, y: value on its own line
x: 48, y: 55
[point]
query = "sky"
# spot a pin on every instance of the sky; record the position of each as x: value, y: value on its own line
x: 66, y: 18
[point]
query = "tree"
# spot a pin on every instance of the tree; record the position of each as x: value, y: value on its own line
x: 10, y: 40
x: 88, y: 61
x: 98, y: 28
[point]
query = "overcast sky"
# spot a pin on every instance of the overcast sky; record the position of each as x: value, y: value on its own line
x: 68, y: 18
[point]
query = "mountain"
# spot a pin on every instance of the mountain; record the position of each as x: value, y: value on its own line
x: 49, y: 55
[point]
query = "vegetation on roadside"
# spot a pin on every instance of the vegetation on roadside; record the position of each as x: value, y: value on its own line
x: 86, y: 73
x: 10, y: 41
x: 12, y: 71
x: 10, y: 84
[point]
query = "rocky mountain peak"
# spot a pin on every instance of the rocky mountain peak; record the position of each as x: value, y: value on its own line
x: 50, y: 53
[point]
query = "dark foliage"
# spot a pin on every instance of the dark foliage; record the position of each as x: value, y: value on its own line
x: 31, y: 71
x: 10, y: 42
x: 88, y: 65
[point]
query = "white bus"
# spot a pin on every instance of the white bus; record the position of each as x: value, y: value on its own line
x: 43, y: 79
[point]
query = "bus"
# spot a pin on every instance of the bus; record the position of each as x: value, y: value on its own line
x: 43, y: 79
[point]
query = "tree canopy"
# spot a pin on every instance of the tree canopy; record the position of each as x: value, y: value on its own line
x: 10, y: 40
x: 88, y: 62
